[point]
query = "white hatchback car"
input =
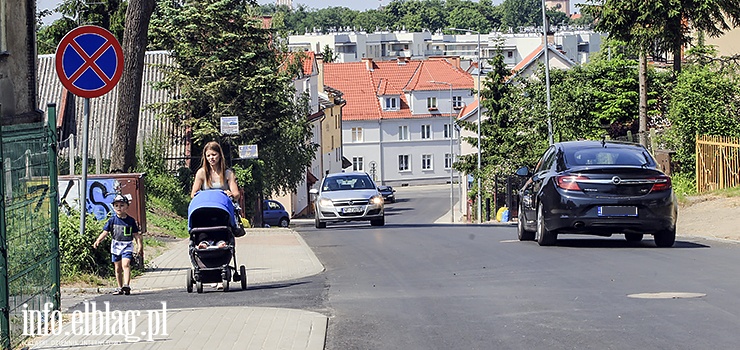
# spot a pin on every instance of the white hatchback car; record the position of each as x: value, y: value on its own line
x: 348, y: 197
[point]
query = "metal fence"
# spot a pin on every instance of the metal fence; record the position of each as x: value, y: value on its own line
x: 29, y: 237
x: 717, y: 162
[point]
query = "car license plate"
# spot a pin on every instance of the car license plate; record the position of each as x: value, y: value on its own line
x: 349, y: 210
x: 618, y: 211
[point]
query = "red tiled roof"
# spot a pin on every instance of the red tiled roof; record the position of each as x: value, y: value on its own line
x: 307, y: 65
x: 308, y: 62
x: 473, y: 107
x: 362, y: 87
x: 527, y: 60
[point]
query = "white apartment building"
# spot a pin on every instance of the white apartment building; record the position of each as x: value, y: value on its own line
x: 352, y: 46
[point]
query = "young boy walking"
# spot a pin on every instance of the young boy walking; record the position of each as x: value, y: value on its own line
x: 125, y: 231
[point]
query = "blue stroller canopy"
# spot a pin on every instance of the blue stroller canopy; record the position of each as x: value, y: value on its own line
x: 211, y: 208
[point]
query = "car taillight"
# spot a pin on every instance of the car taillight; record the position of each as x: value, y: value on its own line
x: 570, y: 182
x: 662, y: 183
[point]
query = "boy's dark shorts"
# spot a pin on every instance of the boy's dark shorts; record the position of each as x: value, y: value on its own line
x: 124, y: 255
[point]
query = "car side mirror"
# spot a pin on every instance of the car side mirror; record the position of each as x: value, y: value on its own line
x: 313, y: 191
x: 523, y: 171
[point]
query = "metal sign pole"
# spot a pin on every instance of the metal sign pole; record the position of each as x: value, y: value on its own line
x: 83, y: 175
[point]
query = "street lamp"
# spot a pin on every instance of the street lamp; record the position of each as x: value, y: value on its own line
x: 547, y: 72
x: 477, y: 96
x: 450, y: 133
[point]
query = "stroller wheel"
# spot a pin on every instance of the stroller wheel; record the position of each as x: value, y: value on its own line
x: 189, y: 286
x: 199, y: 287
x: 243, y: 276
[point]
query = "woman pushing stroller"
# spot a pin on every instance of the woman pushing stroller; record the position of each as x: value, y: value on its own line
x: 205, y: 231
x: 213, y: 173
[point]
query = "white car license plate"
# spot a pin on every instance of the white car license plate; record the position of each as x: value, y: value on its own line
x: 617, y: 211
x: 349, y: 210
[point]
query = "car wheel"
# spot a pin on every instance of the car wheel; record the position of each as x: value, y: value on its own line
x: 665, y: 239
x: 633, y: 237
x: 543, y: 235
x: 319, y: 223
x: 378, y: 222
x: 522, y: 232
x: 284, y: 222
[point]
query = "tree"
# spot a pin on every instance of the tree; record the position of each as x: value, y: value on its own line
x: 108, y: 14
x: 513, y: 133
x: 521, y: 13
x: 636, y: 22
x: 138, y: 15
x: 704, y: 101
x: 225, y: 65
x: 708, y: 16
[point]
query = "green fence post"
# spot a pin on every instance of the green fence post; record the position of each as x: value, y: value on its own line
x: 4, y: 302
x: 51, y: 110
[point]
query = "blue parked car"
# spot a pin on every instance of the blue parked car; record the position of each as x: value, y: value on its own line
x: 274, y: 214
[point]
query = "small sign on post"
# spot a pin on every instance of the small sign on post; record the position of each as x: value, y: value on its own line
x: 248, y: 152
x: 230, y: 125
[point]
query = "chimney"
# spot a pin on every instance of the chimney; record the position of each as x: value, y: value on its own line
x: 368, y: 63
x: 455, y: 61
x: 320, y: 66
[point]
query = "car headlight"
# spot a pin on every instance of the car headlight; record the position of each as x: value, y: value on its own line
x: 325, y: 202
x: 376, y: 200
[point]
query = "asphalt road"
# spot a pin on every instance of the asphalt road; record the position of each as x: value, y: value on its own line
x: 413, y: 284
x: 417, y: 285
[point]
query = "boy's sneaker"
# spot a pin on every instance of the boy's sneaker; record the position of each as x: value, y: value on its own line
x: 126, y: 290
x: 118, y: 291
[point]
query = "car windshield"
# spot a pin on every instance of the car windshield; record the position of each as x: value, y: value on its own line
x: 349, y: 182
x: 607, y: 156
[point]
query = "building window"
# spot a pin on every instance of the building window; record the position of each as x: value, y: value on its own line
x: 391, y: 103
x: 448, y: 161
x: 510, y: 54
x: 403, y: 162
x: 457, y: 102
x: 426, y: 162
x: 357, y: 164
x: 403, y: 132
x: 447, y: 131
x: 426, y: 131
x: 357, y: 135
x: 432, y: 103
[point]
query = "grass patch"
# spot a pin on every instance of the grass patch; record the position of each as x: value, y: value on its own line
x: 162, y: 221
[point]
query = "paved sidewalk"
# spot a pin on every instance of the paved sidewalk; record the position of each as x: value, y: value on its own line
x: 270, y: 255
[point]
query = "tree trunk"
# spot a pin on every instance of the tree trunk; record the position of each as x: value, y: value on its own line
x: 643, y: 98
x: 138, y: 14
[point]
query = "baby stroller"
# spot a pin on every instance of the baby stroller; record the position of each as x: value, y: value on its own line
x: 211, y: 220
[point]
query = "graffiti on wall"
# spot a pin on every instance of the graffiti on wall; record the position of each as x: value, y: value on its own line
x: 98, y: 196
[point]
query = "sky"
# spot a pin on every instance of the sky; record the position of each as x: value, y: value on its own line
x: 315, y: 4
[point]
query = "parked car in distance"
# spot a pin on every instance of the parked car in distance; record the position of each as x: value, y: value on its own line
x: 388, y: 194
x: 597, y: 188
x: 274, y: 213
x: 350, y: 196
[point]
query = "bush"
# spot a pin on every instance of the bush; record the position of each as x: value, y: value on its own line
x: 76, y: 252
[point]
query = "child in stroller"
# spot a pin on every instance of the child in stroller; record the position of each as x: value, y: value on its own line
x: 212, y: 226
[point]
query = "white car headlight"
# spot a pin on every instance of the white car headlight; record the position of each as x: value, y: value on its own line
x: 325, y: 202
x: 376, y: 200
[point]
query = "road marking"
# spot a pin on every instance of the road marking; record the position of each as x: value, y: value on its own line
x: 666, y: 295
